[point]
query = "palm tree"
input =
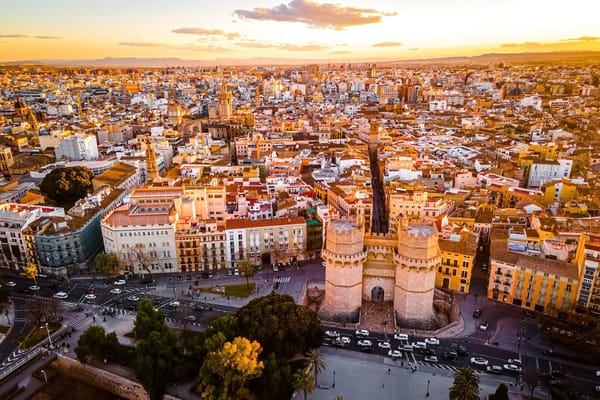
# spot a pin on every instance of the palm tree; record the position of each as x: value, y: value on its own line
x: 247, y: 269
x: 303, y: 382
x: 465, y: 386
x: 339, y: 397
x: 315, y: 362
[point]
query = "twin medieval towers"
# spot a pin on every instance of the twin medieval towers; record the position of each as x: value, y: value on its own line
x: 397, y: 267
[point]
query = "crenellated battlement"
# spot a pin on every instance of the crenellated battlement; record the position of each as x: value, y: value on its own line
x: 343, y: 257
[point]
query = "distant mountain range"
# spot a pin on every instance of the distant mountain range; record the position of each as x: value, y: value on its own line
x: 539, y: 57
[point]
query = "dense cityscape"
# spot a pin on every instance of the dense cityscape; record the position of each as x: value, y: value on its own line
x: 361, y: 223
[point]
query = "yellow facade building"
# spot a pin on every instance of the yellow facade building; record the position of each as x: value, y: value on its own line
x: 457, y: 258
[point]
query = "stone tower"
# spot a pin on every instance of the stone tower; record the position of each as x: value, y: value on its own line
x: 416, y: 260
x: 344, y: 256
x: 225, y: 101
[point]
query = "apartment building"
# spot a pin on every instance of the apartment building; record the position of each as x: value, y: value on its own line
x: 457, y: 253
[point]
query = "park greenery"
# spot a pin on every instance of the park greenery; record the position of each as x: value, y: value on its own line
x: 247, y: 355
x: 64, y: 186
x: 108, y: 264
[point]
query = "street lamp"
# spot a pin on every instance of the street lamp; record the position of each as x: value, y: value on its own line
x: 427, y: 394
x: 49, y: 338
x: 333, y: 386
x: 45, y: 377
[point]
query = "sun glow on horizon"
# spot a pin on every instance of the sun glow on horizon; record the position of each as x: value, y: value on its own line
x: 308, y: 29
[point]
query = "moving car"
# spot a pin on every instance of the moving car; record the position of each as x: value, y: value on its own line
x: 133, y: 297
x: 11, y: 284
x: 479, y: 361
x: 345, y: 339
x: 494, y: 369
x: 332, y: 334
x: 175, y: 303
x: 120, y: 282
x: 384, y: 345
x: 419, y: 345
x: 477, y: 313
x: 432, y: 359
x: 395, y: 354
x: 515, y: 361
x: 432, y: 341
x: 90, y: 296
x: 512, y: 367
x: 401, y: 336
x: 460, y: 349
x: 361, y: 332
x: 484, y: 326
x: 115, y: 291
x: 236, y: 272
x: 60, y: 295
x: 34, y: 287
x: 365, y: 343
x: 450, y: 355
x: 191, y: 318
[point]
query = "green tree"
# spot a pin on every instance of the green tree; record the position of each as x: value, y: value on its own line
x: 157, y: 357
x: 315, y: 362
x: 108, y: 264
x: 304, y: 382
x: 95, y: 344
x: 465, y: 385
x: 501, y: 392
x: 280, y: 325
x: 225, y: 373
x: 247, y: 269
x: 148, y: 320
x: 67, y: 185
x: 157, y: 362
x: 31, y: 272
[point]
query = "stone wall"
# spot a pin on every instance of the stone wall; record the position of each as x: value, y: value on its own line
x: 124, y: 386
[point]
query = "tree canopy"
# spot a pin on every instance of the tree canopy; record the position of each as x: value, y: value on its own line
x: 225, y: 372
x: 157, y: 356
x: 107, y: 263
x: 465, y: 385
x: 94, y: 343
x: 68, y: 184
x: 280, y: 325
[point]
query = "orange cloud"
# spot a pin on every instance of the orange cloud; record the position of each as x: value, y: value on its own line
x: 255, y: 45
x: 316, y: 15
x: 207, y: 32
x: 340, y: 52
x: 305, y: 47
x: 47, y: 37
x: 583, y: 39
x: 388, y: 44
x: 142, y: 44
x: 520, y: 44
x: 13, y: 36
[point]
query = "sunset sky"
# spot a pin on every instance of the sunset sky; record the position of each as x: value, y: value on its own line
x: 292, y: 29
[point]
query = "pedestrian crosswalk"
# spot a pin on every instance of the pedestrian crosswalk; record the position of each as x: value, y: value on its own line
x: 282, y: 279
x: 443, y: 366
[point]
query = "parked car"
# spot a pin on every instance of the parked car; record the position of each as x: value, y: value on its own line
x: 175, y: 303
x: 34, y: 287
x: 401, y: 336
x: 515, y: 361
x: 60, y: 295
x: 115, y: 291
x: 365, y: 343
x: 332, y: 334
x: 361, y: 332
x: 432, y: 359
x: 198, y: 307
x: 406, y: 347
x: 90, y: 296
x: 494, y: 369
x: 477, y: 313
x: 133, y: 297
x: 10, y: 284
x: 484, y: 326
x: 432, y: 341
x: 120, y: 282
x: 479, y: 361
x: 236, y: 272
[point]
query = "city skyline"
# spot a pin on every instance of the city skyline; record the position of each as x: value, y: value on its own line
x: 327, y: 30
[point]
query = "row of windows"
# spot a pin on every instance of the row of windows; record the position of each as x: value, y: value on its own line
x: 144, y: 233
